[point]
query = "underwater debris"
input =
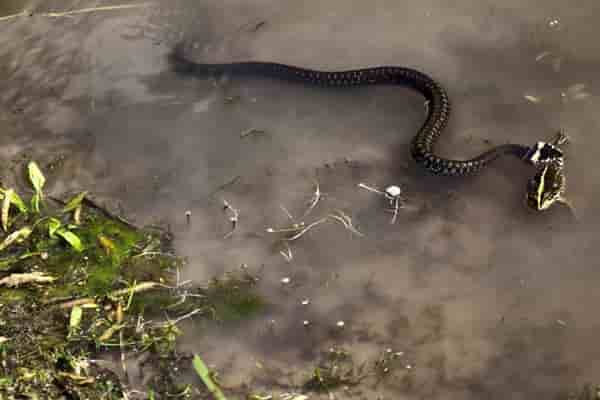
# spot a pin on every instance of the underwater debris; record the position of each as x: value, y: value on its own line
x: 252, y: 131
x: 393, y: 194
x: 234, y: 217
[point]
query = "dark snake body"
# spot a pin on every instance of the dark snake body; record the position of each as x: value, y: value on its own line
x: 422, y: 145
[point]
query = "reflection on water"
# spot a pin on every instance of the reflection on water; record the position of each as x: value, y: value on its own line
x: 481, y: 296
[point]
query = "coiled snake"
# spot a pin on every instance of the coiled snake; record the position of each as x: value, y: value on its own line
x: 544, y: 189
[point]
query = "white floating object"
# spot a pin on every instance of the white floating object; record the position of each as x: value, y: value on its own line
x: 393, y: 191
x: 340, y: 324
x: 285, y: 280
x: 305, y: 302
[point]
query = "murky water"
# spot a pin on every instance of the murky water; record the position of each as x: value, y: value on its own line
x: 484, y: 298
x: 10, y: 7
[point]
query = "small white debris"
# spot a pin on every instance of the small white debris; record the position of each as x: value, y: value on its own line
x: 532, y: 99
x: 388, y: 350
x: 393, y: 191
x: 305, y: 302
x: 399, y: 353
x: 287, y: 253
x: 286, y: 280
x: 340, y: 324
x: 44, y: 255
x: 561, y: 322
x: 306, y: 322
x: 409, y: 366
x: 293, y: 396
x: 554, y: 23
x: 542, y: 55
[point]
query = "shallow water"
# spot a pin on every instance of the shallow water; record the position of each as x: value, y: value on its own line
x: 485, y: 298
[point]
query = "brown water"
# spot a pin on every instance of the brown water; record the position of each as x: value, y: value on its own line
x: 486, y: 299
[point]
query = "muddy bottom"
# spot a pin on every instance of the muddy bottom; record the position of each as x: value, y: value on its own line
x: 482, y: 297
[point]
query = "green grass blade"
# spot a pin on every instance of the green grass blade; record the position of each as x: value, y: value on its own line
x: 53, y: 226
x: 14, y: 199
x: 6, y: 209
x: 36, y: 177
x: 37, y: 180
x: 70, y: 238
x: 204, y: 374
x: 16, y: 236
x: 75, y: 320
x: 74, y: 202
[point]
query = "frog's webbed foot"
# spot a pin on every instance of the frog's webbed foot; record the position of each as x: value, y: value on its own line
x: 565, y: 202
x: 560, y: 138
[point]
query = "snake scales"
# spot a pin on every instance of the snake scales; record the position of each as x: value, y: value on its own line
x: 546, y: 157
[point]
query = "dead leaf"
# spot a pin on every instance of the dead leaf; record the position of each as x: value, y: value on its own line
x: 20, y: 279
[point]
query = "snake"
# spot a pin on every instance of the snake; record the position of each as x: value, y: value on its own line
x: 544, y: 189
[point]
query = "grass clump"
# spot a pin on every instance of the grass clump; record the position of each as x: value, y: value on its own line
x: 78, y: 284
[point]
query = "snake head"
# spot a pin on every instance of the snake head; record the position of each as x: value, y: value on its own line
x: 546, y: 187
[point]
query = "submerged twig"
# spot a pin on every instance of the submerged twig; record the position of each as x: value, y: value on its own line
x: 287, y: 254
x: 395, y: 209
x: 346, y: 221
x: 306, y: 229
x: 315, y: 199
x: 301, y: 228
x: 186, y: 316
x: 224, y: 185
x: 14, y: 280
x: 287, y: 213
x: 371, y: 189
x: 235, y: 214
x: 294, y: 228
x: 140, y: 287
x: 251, y: 131
x: 25, y: 13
